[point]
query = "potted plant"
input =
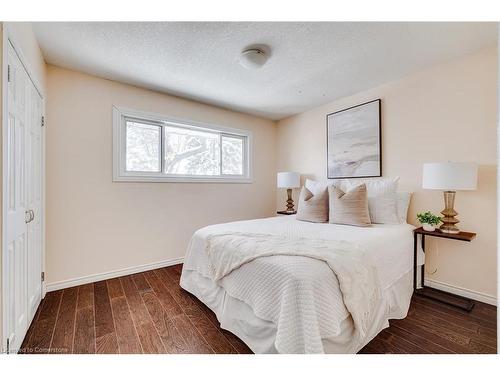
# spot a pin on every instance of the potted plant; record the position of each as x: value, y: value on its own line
x: 428, y: 221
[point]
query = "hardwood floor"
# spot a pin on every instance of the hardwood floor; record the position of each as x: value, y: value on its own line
x: 149, y: 313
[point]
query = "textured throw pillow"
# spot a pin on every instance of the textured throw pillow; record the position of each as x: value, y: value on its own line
x: 382, y: 199
x: 316, y: 187
x: 313, y: 207
x: 349, y: 208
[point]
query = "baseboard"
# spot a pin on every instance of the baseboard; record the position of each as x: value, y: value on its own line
x: 49, y: 287
x: 477, y: 296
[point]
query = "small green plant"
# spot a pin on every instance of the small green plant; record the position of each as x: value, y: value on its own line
x: 428, y: 218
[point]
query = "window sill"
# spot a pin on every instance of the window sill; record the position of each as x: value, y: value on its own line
x: 211, y: 180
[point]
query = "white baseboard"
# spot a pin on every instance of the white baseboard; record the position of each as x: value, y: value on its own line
x: 477, y: 296
x: 49, y: 287
x: 481, y: 297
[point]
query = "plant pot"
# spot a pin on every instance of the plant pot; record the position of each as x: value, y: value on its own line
x: 428, y: 227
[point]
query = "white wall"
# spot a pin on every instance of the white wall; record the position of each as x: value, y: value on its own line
x: 95, y: 225
x: 445, y: 113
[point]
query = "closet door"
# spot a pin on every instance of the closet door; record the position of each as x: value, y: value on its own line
x: 34, y: 200
x: 22, y: 212
x: 17, y: 213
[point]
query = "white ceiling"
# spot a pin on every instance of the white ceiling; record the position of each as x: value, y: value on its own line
x: 310, y: 64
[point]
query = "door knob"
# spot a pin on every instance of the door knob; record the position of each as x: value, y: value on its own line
x: 29, y: 216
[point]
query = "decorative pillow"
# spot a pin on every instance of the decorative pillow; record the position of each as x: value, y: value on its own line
x: 316, y: 187
x: 313, y: 207
x: 403, y: 204
x: 350, y: 208
x: 382, y: 199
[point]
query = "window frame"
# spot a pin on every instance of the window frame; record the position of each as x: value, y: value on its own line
x: 121, y: 115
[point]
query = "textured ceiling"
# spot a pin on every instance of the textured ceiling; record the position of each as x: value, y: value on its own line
x: 310, y: 64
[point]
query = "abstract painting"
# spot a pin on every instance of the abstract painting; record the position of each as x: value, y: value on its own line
x: 354, y: 141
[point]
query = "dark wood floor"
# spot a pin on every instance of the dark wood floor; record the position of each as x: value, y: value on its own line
x: 149, y: 313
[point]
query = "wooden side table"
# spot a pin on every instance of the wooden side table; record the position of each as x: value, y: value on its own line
x: 435, y: 294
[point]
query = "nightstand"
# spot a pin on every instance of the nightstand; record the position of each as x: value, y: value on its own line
x: 286, y: 212
x: 435, y: 294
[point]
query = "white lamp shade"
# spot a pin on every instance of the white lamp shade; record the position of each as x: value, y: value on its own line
x: 450, y: 176
x: 288, y: 180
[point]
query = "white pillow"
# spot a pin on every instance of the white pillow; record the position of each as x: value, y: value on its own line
x: 403, y: 204
x: 382, y: 199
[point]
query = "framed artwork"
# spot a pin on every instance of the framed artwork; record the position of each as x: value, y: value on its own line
x: 354, y: 141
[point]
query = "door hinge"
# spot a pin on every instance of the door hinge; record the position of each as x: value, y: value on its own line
x: 8, y: 73
x: 43, y: 120
x: 8, y: 346
x: 43, y: 276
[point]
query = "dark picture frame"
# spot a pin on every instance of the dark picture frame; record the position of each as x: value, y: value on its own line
x: 354, y: 141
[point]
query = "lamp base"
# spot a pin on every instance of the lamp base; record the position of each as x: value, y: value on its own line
x: 289, y: 201
x: 286, y: 212
x: 452, y: 230
x: 449, y: 214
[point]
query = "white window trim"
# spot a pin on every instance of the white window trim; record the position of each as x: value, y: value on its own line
x: 121, y: 175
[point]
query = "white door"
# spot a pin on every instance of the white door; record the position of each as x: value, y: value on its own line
x: 22, y: 190
x: 34, y: 199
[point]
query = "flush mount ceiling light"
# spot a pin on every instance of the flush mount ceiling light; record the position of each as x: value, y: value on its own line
x: 254, y: 57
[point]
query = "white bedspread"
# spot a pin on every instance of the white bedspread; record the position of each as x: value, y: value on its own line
x: 301, y: 295
x: 355, y: 272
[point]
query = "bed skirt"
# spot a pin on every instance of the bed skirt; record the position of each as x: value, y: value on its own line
x: 238, y: 317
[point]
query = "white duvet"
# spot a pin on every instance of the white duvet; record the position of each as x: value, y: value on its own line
x: 301, y: 294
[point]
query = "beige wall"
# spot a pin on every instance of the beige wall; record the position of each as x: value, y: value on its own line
x: 444, y: 113
x: 95, y: 225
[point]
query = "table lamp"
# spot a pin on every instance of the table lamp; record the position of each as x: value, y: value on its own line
x: 289, y: 181
x: 449, y: 177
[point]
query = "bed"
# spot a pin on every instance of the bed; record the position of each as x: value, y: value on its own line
x: 297, y: 302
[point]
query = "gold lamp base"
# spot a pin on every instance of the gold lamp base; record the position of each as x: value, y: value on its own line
x: 449, y: 214
x: 289, y: 201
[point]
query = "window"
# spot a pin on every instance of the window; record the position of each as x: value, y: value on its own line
x: 150, y: 147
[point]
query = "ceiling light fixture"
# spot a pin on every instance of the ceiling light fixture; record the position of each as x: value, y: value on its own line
x: 254, y: 57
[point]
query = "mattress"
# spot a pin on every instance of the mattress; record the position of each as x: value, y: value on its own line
x: 244, y: 312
